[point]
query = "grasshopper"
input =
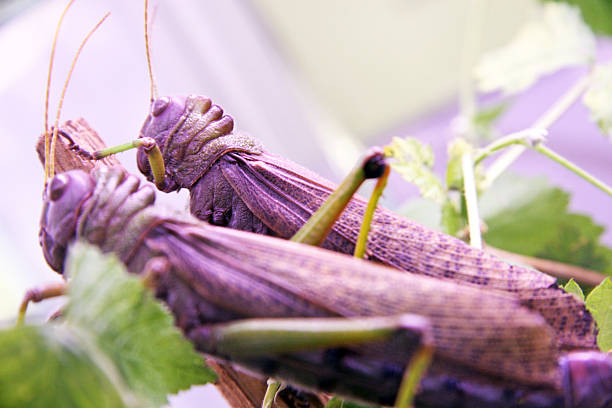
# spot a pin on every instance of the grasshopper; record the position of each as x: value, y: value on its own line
x: 466, y: 375
x: 188, y: 142
x: 320, y: 319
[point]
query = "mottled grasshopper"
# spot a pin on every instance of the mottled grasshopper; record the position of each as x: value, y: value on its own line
x: 452, y: 380
x: 487, y: 347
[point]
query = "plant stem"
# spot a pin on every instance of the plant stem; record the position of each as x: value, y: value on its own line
x: 571, y: 166
x: 523, y: 137
x: 553, y: 268
x: 471, y: 200
x: 273, y: 388
x: 471, y: 46
x: 544, y: 122
x: 526, y: 139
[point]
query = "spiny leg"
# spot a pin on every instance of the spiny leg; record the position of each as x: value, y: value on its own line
x: 315, y: 230
x: 414, y: 372
x: 252, y: 339
x: 362, y: 239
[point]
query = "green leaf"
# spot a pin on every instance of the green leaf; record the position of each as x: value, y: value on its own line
x: 556, y: 39
x: 45, y: 366
x: 572, y: 287
x: 486, y: 116
x: 423, y: 211
x: 599, y: 303
x: 598, y: 98
x: 131, y: 327
x: 596, y: 13
x: 453, y: 219
x: 414, y: 161
x: 530, y: 217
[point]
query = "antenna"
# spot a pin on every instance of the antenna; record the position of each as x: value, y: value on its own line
x: 148, y: 49
x: 61, y: 102
x: 48, y: 86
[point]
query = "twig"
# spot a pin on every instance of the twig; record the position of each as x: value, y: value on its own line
x: 471, y: 200
x: 572, y: 167
x: 531, y: 138
x: 544, y: 122
x: 554, y: 268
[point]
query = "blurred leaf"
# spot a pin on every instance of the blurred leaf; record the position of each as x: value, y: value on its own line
x: 414, y: 161
x: 424, y: 211
x: 534, y: 220
x: 596, y: 13
x: 599, y: 303
x: 572, y: 287
x: 45, y: 366
x: 131, y: 327
x: 598, y: 98
x: 453, y: 220
x: 485, y: 118
x: 558, y: 39
x: 488, y: 115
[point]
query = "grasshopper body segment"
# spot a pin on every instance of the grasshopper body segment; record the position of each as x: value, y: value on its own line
x: 234, y: 182
x: 485, y: 342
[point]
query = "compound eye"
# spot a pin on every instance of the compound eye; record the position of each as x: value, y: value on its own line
x: 57, y: 187
x: 160, y: 105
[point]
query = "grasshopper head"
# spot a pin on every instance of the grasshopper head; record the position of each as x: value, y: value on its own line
x: 184, y: 128
x: 587, y: 379
x: 63, y: 198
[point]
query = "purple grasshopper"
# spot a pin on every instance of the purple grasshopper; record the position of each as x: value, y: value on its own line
x: 489, y: 350
x: 234, y: 182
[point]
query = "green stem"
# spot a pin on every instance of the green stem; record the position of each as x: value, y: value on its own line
x: 273, y: 388
x: 544, y: 122
x: 335, y: 402
x: 471, y: 200
x: 412, y: 377
x: 572, y: 167
x: 362, y: 239
x: 537, y: 145
x: 471, y: 45
x: 523, y: 137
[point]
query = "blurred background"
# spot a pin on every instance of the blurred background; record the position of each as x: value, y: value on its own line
x: 316, y: 81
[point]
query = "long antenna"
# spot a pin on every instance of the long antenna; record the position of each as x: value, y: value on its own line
x: 61, y: 102
x: 48, y: 87
x: 148, y: 48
